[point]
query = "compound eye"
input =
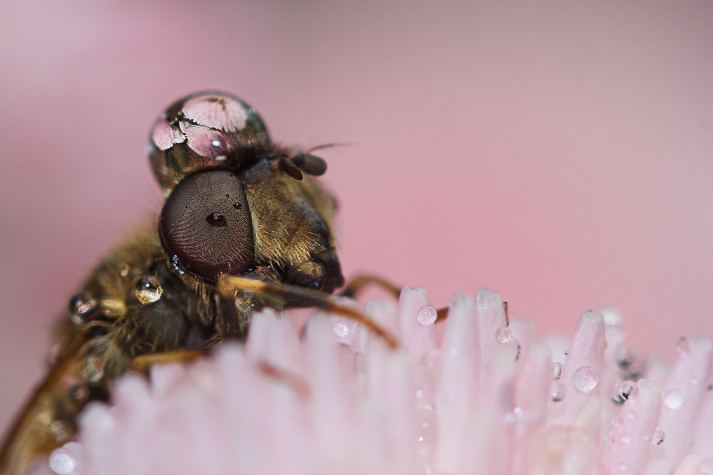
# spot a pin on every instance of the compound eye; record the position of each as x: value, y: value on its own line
x: 205, y: 225
x: 206, y: 129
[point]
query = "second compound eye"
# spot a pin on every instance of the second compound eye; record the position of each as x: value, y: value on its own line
x: 205, y: 224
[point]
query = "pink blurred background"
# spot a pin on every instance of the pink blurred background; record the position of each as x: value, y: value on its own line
x: 558, y: 152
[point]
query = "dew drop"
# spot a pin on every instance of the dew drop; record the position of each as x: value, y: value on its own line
x: 59, y: 431
x: 673, y: 398
x: 426, y: 315
x: 558, y: 391
x: 585, y: 379
x: 341, y: 328
x: 148, y: 290
x: 625, y: 390
x: 503, y: 334
x: 80, y: 305
x: 78, y: 392
x: 178, y: 265
x: 216, y: 220
x: 658, y: 436
x: 238, y: 206
x: 62, y: 462
x: 556, y: 370
x: 92, y: 369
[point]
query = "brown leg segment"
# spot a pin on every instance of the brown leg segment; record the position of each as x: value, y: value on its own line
x: 230, y: 286
x: 361, y: 281
x: 143, y: 363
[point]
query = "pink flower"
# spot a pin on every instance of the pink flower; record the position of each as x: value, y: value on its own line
x: 472, y: 395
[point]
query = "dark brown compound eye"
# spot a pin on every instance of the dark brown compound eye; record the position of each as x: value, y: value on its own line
x: 205, y: 225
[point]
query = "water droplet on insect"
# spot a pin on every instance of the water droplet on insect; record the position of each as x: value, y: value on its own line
x: 341, y: 328
x: 216, y: 220
x: 80, y: 305
x: 585, y: 379
x: 625, y: 390
x: 62, y: 462
x: 124, y: 270
x: 148, y: 290
x: 59, y: 431
x: 556, y: 370
x: 178, y: 265
x: 673, y: 398
x: 658, y: 436
x: 426, y: 315
x: 503, y: 334
x: 92, y: 369
x: 238, y: 206
x: 78, y: 392
x: 558, y: 391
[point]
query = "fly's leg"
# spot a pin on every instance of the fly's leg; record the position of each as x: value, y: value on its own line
x: 143, y: 363
x: 230, y: 286
x: 358, y: 283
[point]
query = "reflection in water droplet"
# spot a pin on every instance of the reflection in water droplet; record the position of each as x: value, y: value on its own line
x: 556, y: 370
x: 178, y: 265
x: 80, y: 305
x: 92, y: 369
x: 558, y: 391
x: 625, y: 390
x: 658, y: 436
x: 503, y: 334
x: 585, y: 379
x: 340, y: 327
x: 673, y: 398
x: 426, y: 315
x: 148, y: 290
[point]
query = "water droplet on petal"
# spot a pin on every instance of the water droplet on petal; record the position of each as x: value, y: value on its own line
x: 626, y: 438
x: 62, y: 462
x: 341, y: 328
x: 673, y: 398
x: 556, y: 370
x: 658, y: 436
x: 558, y: 391
x: 426, y: 315
x: 503, y: 334
x: 625, y: 390
x: 585, y: 379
